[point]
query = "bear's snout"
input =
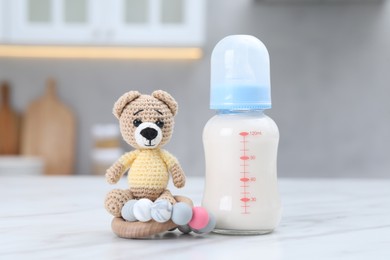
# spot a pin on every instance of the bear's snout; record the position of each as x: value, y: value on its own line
x: 149, y: 133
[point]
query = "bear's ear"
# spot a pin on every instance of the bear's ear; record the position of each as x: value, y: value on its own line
x: 167, y: 99
x: 121, y: 103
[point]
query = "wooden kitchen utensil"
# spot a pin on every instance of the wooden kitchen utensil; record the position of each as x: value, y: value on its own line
x: 9, y: 124
x: 49, y: 132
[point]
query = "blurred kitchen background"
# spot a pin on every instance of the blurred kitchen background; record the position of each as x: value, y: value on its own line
x: 330, y: 74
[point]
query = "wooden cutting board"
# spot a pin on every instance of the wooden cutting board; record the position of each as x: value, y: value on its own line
x: 49, y: 131
x: 9, y: 124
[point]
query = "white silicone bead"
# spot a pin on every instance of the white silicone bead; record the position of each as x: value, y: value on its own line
x: 127, y: 211
x: 182, y: 213
x: 141, y: 210
x: 161, y: 210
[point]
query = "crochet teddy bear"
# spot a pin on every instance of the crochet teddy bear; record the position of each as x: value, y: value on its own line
x: 146, y: 123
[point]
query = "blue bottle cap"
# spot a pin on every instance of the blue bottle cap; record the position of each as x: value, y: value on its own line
x: 240, y: 75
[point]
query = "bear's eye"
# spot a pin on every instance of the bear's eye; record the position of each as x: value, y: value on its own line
x: 137, y: 122
x: 160, y: 123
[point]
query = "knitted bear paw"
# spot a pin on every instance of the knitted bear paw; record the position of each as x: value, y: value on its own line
x: 142, y: 210
x: 161, y: 210
x: 115, y: 200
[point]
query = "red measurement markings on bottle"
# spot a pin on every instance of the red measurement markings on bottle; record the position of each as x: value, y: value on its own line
x: 244, y: 163
x: 245, y: 178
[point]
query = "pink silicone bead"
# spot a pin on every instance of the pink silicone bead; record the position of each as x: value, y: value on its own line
x: 200, y: 218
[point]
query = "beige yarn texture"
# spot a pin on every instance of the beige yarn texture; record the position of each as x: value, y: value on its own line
x: 115, y: 200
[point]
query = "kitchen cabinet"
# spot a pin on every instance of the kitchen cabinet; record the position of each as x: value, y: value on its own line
x: 52, y: 21
x: 100, y: 22
x: 163, y: 22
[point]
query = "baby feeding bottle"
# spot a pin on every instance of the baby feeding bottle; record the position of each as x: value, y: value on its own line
x: 240, y: 141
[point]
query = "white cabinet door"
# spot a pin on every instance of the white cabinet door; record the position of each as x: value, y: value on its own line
x: 156, y: 22
x: 112, y: 22
x: 55, y: 21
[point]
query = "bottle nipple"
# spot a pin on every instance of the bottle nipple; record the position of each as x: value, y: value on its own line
x: 240, y: 74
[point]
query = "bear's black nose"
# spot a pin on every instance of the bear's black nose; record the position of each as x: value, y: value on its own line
x: 149, y: 133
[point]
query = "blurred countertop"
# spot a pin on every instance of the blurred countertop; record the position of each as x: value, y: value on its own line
x: 64, y: 217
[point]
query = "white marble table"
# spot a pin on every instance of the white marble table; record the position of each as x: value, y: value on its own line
x: 64, y: 217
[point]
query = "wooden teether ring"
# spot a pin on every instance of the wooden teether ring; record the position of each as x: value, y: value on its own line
x: 125, y: 229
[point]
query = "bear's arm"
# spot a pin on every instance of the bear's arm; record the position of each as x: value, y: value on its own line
x: 178, y: 177
x: 115, y: 172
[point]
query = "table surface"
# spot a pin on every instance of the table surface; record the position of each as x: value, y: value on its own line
x: 64, y: 217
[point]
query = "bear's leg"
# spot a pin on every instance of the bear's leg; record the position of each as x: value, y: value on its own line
x: 167, y: 195
x: 115, y: 200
